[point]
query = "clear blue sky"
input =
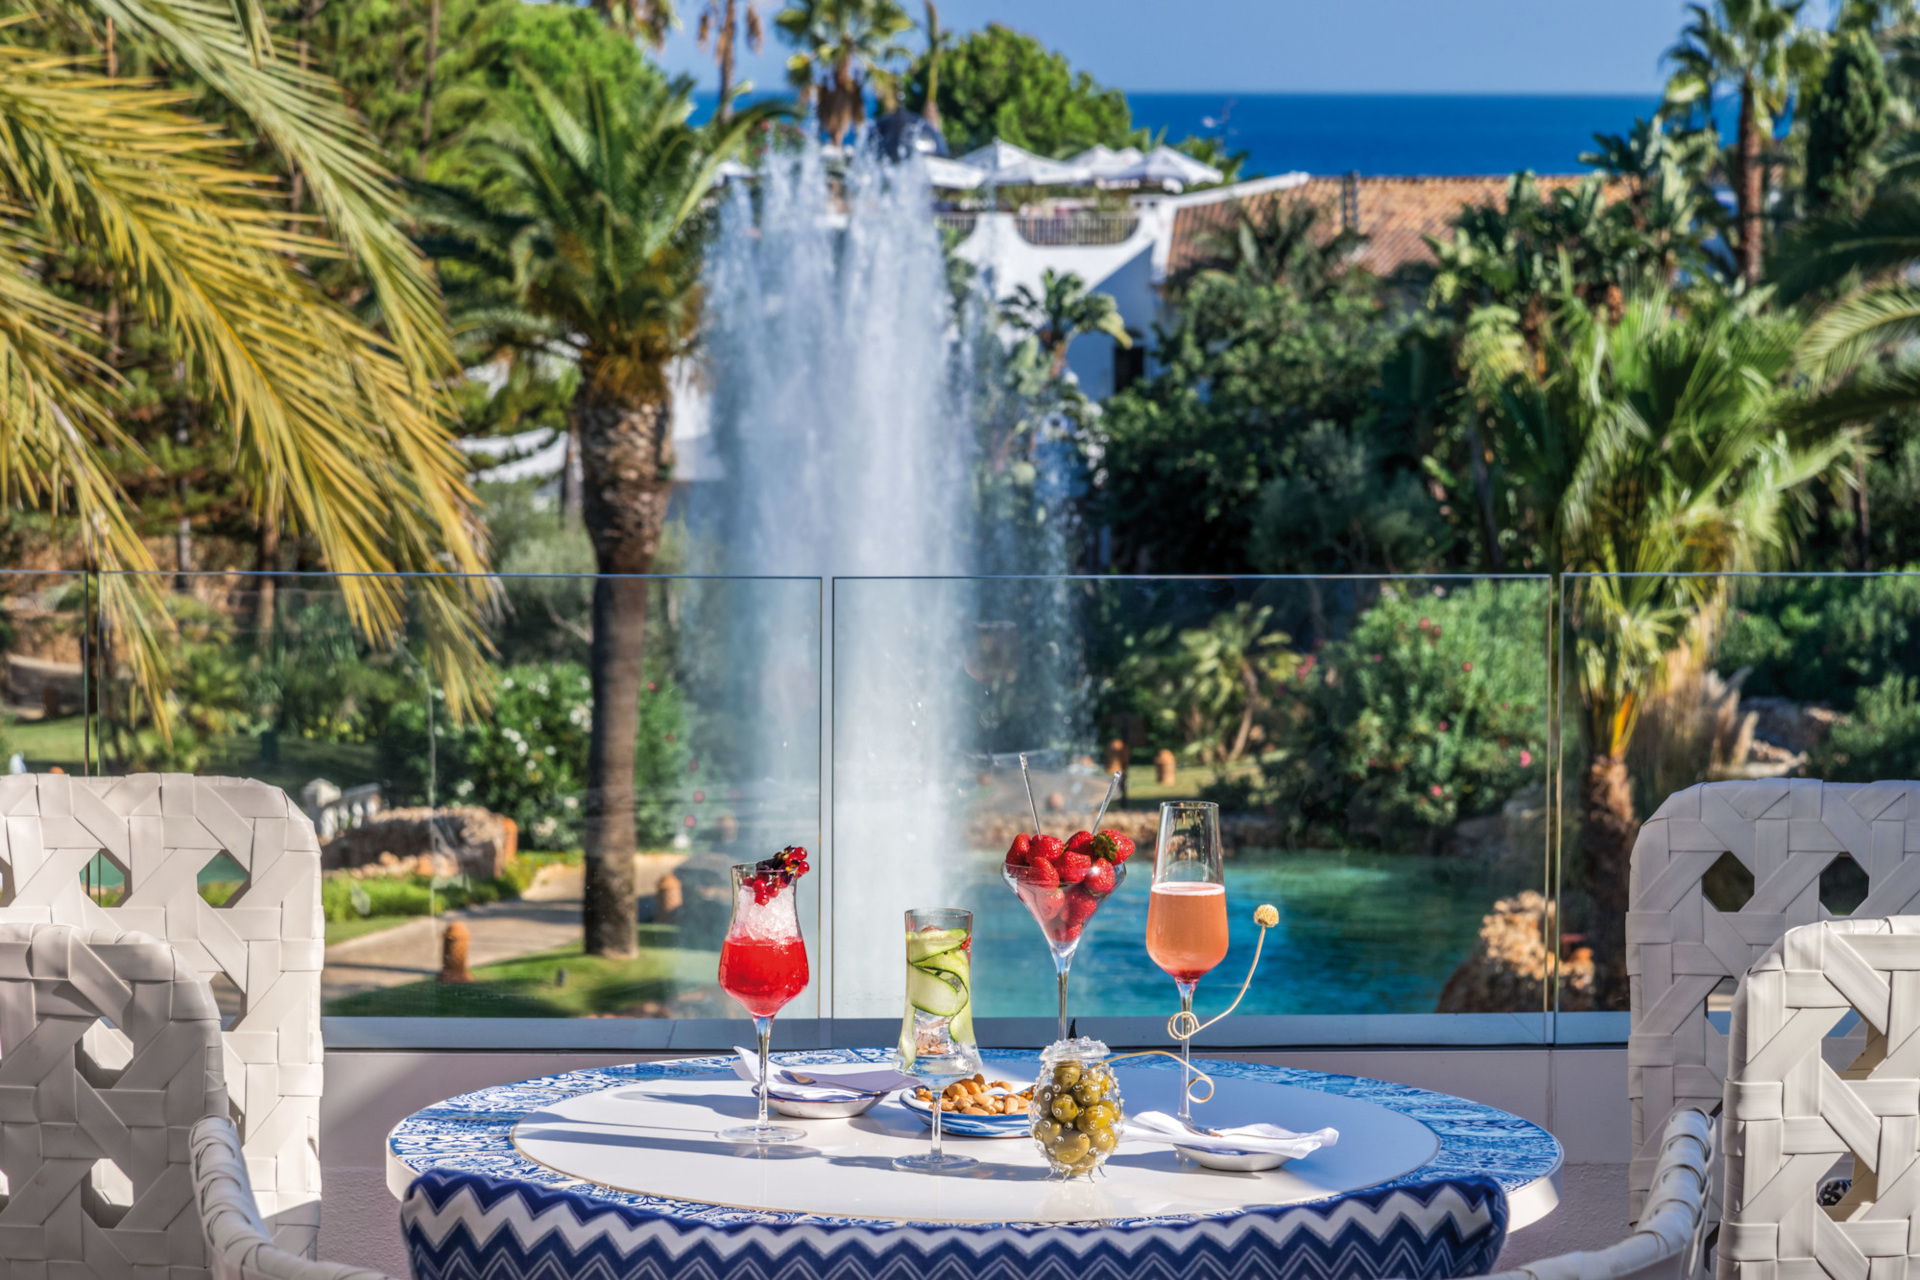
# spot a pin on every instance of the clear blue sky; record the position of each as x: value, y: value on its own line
x: 1310, y: 46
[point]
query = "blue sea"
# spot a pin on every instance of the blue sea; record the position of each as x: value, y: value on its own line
x: 1385, y: 133
x: 1394, y: 135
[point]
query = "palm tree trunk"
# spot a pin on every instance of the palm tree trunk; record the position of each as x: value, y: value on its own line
x: 626, y: 452
x: 723, y: 52
x: 931, y: 112
x: 267, y: 562
x: 1749, y: 194
x: 1607, y: 831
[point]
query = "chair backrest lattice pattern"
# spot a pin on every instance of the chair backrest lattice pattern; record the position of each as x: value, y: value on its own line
x: 1789, y: 1116
x: 1680, y: 947
x: 159, y: 833
x: 95, y: 1153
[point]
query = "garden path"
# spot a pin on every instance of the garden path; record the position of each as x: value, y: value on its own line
x: 411, y: 951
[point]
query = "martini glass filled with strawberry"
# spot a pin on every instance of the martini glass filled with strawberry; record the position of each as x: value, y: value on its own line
x: 1062, y: 883
x: 763, y: 962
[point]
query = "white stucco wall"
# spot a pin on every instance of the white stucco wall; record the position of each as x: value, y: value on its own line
x: 1131, y: 271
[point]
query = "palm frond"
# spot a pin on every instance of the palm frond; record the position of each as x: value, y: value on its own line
x: 329, y: 427
x: 224, y: 42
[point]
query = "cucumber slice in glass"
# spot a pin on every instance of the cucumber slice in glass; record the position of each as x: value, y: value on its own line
x: 939, y: 994
x: 931, y: 942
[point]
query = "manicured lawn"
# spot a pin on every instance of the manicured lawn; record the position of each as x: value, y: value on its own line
x: 301, y: 760
x: 46, y: 743
x: 359, y: 927
x: 1188, y: 781
x: 527, y: 987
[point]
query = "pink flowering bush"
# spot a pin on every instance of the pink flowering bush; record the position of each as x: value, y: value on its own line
x: 1431, y: 709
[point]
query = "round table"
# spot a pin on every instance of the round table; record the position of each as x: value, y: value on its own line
x: 643, y: 1136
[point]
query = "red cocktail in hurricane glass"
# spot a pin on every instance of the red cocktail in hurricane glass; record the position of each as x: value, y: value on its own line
x: 1062, y: 883
x: 763, y: 963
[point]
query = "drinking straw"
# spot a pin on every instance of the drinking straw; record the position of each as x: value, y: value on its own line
x: 1027, y: 778
x: 1106, y: 800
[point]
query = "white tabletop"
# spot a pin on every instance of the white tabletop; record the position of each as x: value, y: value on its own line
x: 658, y: 1138
x: 646, y: 1134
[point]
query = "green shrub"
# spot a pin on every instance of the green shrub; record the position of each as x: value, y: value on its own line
x: 1828, y: 640
x: 1880, y: 739
x: 1433, y: 708
x: 527, y: 757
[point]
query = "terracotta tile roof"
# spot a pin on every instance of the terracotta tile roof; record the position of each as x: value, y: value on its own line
x: 1396, y: 214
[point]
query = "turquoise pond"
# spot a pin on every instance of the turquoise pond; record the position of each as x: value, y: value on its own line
x: 1359, y: 933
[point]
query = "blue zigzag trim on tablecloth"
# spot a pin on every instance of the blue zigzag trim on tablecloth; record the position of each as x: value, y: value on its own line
x: 461, y: 1226
x: 473, y: 1133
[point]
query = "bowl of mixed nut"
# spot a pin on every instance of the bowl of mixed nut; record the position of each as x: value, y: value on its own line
x: 974, y: 1107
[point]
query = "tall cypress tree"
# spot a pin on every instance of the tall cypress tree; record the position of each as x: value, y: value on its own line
x: 1845, y: 122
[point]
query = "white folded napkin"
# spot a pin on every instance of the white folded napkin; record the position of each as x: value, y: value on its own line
x: 1271, y: 1139
x: 827, y: 1082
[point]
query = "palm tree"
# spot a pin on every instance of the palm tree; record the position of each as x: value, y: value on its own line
x: 1063, y: 310
x: 1759, y: 49
x: 939, y: 40
x: 1654, y: 450
x: 1275, y: 242
x: 647, y: 20
x: 338, y: 428
x: 720, y: 23
x: 841, y: 46
x: 602, y: 226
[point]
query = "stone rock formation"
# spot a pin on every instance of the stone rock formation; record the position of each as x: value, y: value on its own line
x: 480, y: 842
x: 1507, y: 971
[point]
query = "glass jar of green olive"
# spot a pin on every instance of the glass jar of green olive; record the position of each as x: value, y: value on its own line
x: 1076, y: 1115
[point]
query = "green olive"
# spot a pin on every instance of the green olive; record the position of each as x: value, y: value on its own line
x: 1042, y: 1098
x: 1099, y: 1113
x: 1067, y: 1074
x: 1064, y: 1109
x: 1104, y: 1140
x: 1090, y: 1089
x: 1046, y: 1132
x: 1071, y: 1147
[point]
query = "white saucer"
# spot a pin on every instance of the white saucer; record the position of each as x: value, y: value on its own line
x: 1234, y: 1161
x: 801, y: 1109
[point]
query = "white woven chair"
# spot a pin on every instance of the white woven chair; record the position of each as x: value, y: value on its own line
x: 94, y: 1119
x: 1670, y: 1241
x: 1789, y: 1116
x: 162, y: 829
x: 238, y: 1246
x: 1679, y: 947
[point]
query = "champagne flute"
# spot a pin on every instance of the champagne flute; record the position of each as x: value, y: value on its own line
x: 1187, y: 910
x: 936, y: 1032
x: 763, y: 964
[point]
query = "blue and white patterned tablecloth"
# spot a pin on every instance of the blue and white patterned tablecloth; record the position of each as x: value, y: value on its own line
x: 473, y: 1133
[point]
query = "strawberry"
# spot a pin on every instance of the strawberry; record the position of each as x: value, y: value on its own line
x: 1042, y: 874
x: 1074, y: 866
x: 1100, y: 878
x: 1080, y: 905
x: 1070, y: 933
x: 1021, y: 851
x: 1080, y: 842
x: 1048, y: 847
x: 1112, y: 846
